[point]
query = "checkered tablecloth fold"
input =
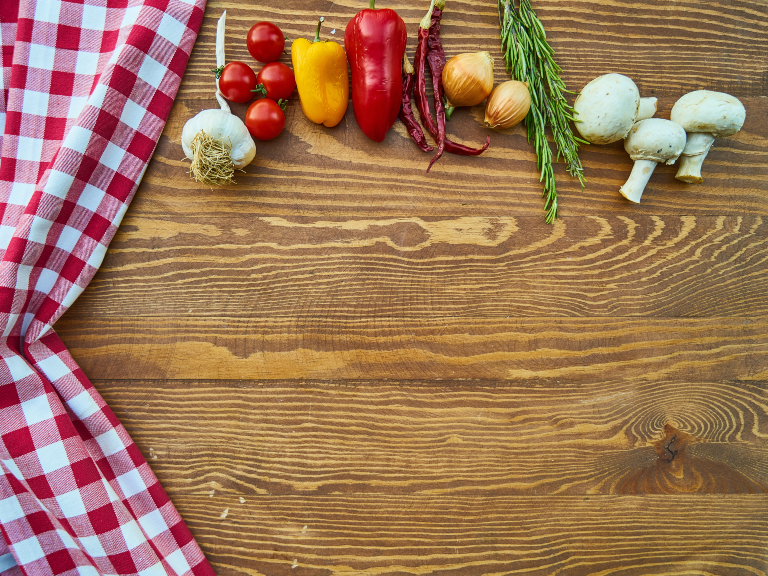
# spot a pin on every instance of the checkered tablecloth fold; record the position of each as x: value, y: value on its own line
x: 87, y: 86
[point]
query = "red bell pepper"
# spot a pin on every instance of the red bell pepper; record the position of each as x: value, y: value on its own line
x: 375, y: 42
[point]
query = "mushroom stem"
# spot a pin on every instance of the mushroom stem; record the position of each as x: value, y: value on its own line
x: 635, y: 184
x: 646, y: 109
x: 696, y: 148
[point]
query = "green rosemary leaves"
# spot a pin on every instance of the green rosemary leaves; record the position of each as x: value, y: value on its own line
x: 530, y: 58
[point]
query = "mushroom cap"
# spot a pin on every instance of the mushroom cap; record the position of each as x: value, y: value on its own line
x: 655, y: 139
x: 607, y: 108
x: 709, y: 112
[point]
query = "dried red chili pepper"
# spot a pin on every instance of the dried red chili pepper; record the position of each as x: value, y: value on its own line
x: 436, y: 60
x: 461, y: 150
x: 406, y: 112
x: 430, y: 49
x: 420, y: 86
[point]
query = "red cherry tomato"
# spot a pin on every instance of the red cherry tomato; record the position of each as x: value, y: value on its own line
x: 265, y: 42
x: 265, y: 119
x: 236, y: 82
x: 276, y: 81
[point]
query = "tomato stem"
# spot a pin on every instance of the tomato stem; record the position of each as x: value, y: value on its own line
x: 218, y: 71
x: 260, y: 88
x: 282, y: 103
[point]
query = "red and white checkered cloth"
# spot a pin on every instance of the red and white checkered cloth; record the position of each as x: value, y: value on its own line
x: 87, y: 86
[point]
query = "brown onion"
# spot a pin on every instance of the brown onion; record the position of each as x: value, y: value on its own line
x: 507, y: 105
x: 468, y: 79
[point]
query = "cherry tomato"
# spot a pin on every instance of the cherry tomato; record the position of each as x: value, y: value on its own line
x: 236, y: 82
x: 265, y: 119
x: 265, y: 42
x: 276, y: 81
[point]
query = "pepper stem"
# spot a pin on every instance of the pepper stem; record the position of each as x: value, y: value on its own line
x: 407, y: 66
x: 317, y: 32
x: 440, y: 4
x: 372, y: 5
x: 449, y: 112
x: 427, y: 20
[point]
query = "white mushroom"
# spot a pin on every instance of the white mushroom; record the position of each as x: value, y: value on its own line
x: 608, y: 107
x: 705, y: 115
x: 650, y: 141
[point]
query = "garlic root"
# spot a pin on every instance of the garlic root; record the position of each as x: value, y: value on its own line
x: 211, y: 161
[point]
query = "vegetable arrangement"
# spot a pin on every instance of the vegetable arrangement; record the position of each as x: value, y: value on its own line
x: 385, y: 85
x: 217, y: 141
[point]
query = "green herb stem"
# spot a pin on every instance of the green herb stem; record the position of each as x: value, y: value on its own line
x: 530, y: 58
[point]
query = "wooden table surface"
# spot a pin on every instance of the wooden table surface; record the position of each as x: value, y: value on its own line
x: 345, y: 366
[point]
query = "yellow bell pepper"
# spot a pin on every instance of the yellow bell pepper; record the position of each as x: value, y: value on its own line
x: 321, y: 78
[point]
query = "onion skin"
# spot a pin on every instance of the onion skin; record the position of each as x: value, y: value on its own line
x: 468, y: 79
x: 507, y: 105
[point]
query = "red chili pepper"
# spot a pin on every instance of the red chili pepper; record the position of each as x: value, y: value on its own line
x: 406, y: 112
x: 429, y: 48
x: 420, y: 88
x: 422, y: 103
x: 436, y: 59
x: 375, y: 43
x: 461, y: 150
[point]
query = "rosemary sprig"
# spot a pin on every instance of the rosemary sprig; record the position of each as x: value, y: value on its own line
x: 530, y: 58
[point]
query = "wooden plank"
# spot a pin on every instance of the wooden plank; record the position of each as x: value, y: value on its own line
x: 545, y: 349
x: 413, y: 267
x: 400, y: 535
x: 315, y: 171
x: 668, y: 48
x: 449, y: 439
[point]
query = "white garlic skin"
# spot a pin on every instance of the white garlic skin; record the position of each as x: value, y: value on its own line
x: 225, y: 126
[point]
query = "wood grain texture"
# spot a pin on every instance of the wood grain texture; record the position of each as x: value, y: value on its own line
x: 447, y: 348
x: 477, y: 535
x: 450, y: 438
x: 415, y: 267
x: 461, y: 478
x: 397, y: 535
x: 344, y: 366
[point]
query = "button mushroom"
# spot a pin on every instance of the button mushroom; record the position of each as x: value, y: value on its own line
x: 705, y: 115
x: 608, y: 106
x: 650, y: 141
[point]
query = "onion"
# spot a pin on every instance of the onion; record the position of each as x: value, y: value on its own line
x: 507, y: 105
x: 468, y: 79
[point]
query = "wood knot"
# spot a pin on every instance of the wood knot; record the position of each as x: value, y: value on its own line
x: 685, y: 465
x: 672, y: 445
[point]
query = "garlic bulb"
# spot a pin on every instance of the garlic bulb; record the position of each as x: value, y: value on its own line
x: 507, y: 105
x: 467, y: 79
x: 217, y: 141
